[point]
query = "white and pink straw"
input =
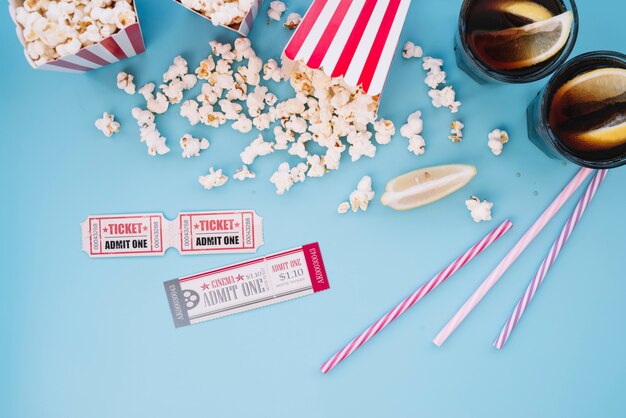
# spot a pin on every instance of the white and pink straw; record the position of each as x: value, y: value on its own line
x: 549, y: 260
x: 412, y: 299
x: 512, y: 255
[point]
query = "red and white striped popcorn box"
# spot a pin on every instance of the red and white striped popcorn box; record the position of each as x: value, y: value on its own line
x: 352, y: 39
x: 123, y: 44
x: 242, y: 28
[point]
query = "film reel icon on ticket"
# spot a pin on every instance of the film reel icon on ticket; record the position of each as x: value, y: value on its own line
x: 151, y: 234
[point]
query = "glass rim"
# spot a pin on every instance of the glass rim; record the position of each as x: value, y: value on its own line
x: 544, y: 108
x: 505, y: 78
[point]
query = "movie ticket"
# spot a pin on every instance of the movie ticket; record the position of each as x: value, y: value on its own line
x: 151, y: 234
x: 247, y: 285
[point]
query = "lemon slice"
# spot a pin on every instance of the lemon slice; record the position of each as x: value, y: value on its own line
x: 602, y: 86
x: 523, y: 47
x: 426, y: 185
x: 603, y: 138
x: 528, y: 10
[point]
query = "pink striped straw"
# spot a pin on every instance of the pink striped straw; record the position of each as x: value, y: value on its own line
x: 549, y: 260
x: 510, y: 258
x: 412, y: 299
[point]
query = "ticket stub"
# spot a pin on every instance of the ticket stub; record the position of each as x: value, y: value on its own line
x: 248, y: 285
x: 150, y: 234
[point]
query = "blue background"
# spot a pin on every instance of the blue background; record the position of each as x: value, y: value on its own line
x: 94, y: 338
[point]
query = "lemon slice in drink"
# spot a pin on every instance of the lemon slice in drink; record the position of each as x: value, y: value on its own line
x: 603, y: 138
x: 591, y: 90
x: 527, y: 10
x: 523, y: 47
x: 426, y: 185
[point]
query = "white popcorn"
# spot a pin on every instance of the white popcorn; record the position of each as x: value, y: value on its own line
x: 480, y: 211
x: 243, y: 124
x: 276, y: 10
x: 251, y: 73
x: 457, y: 131
x: 298, y: 173
x: 332, y: 157
x: 446, y: 98
x: 256, y: 101
x: 263, y: 121
x: 257, y: 148
x: 52, y: 29
x: 107, y: 124
x: 299, y: 147
x: 210, y: 94
x: 243, y: 49
x: 272, y: 71
x: 344, y: 207
x: 147, y: 91
x: 189, y: 110
x: 360, y: 145
x: 411, y: 50
x: 158, y: 104
x: 205, y: 68
x: 282, y: 137
x: 282, y: 178
x: 293, y: 21
x: 385, y: 129
x: 213, y: 179
x: 210, y: 117
x: 243, y: 173
x: 296, y: 124
x: 417, y: 145
x: 125, y: 82
x: 222, y: 50
x: 143, y: 117
x: 176, y: 70
x: 435, y: 75
x: 316, y: 166
x: 361, y: 197
x: 192, y: 146
x: 497, y: 139
x: 231, y: 110
x: 153, y: 139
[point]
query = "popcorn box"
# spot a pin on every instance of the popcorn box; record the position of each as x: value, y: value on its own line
x: 355, y: 40
x: 242, y: 28
x: 123, y: 44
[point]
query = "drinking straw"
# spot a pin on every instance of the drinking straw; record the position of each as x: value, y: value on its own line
x: 510, y: 258
x: 412, y: 299
x: 549, y: 260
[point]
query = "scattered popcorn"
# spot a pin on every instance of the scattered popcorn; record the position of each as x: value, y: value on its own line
x: 57, y: 28
x: 412, y: 130
x: 225, y: 13
x: 243, y: 173
x: 147, y: 91
x: 243, y: 49
x: 153, y: 139
x: 445, y: 98
x: 231, y: 110
x: 293, y: 20
x: 411, y: 50
x: 143, y: 117
x: 192, y: 146
x: 497, y: 139
x: 384, y: 131
x: 435, y: 76
x: 107, y: 124
x: 457, y: 131
x: 282, y: 178
x: 272, y: 71
x: 361, y: 197
x: 316, y: 166
x: 480, y: 211
x: 213, y: 179
x: 251, y: 73
x: 125, y: 82
x: 257, y: 148
x: 242, y: 124
x: 276, y: 10
x: 190, y: 110
x: 344, y: 207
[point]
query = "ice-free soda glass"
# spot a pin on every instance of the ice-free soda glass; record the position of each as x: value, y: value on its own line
x: 514, y: 41
x: 581, y: 113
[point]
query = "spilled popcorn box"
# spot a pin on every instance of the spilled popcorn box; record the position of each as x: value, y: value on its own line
x: 239, y: 22
x: 122, y: 44
x: 150, y: 234
x: 352, y: 40
x: 247, y: 285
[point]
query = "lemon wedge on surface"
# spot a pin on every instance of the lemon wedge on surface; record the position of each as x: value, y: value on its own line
x: 523, y: 47
x: 426, y: 185
x: 529, y: 10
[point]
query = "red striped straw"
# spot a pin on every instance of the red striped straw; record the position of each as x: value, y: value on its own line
x: 549, y: 260
x: 511, y: 256
x: 412, y: 299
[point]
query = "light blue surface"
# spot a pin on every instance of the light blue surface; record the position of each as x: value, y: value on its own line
x: 94, y: 338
